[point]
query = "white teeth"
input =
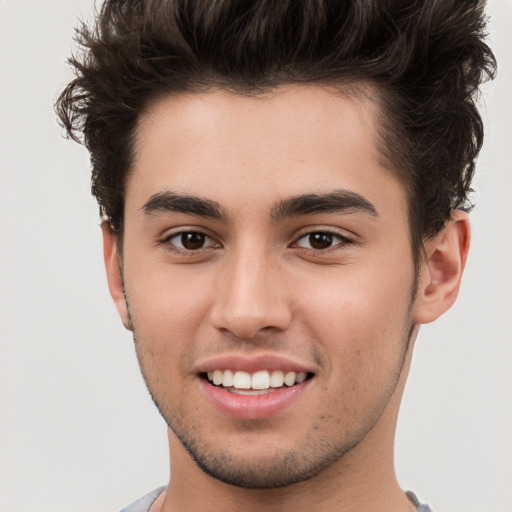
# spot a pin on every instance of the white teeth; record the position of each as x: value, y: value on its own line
x: 277, y: 379
x: 260, y: 380
x: 217, y: 377
x: 242, y: 380
x: 228, y: 378
x: 301, y: 377
x: 251, y: 392
x: 289, y: 378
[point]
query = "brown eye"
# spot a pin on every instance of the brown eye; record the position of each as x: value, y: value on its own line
x: 190, y: 241
x: 322, y: 240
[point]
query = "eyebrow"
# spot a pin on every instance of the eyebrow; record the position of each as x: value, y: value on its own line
x: 338, y: 201
x: 169, y: 201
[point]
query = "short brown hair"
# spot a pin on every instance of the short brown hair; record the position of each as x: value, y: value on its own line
x: 426, y: 58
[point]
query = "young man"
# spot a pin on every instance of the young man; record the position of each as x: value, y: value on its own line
x: 283, y: 188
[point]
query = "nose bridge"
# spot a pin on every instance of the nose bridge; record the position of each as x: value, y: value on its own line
x: 250, y: 296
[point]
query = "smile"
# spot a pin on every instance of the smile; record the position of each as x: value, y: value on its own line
x: 253, y: 393
x: 257, y: 383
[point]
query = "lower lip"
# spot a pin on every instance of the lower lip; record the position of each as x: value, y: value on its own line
x: 253, y: 407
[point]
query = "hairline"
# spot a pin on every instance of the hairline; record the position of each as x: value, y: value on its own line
x: 349, y: 86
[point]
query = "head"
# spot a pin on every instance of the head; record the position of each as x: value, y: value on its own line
x: 224, y: 137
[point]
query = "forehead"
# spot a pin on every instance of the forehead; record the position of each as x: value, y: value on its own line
x: 254, y: 150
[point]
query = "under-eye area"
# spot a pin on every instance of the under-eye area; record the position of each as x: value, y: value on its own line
x: 257, y: 383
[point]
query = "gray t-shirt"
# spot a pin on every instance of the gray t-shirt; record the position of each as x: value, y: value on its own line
x: 143, y: 504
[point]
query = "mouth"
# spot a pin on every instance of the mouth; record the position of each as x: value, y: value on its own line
x: 256, y: 387
x: 261, y: 382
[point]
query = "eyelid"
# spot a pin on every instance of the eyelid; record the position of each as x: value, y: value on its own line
x: 344, y: 239
x: 168, y: 236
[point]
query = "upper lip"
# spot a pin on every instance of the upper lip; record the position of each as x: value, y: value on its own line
x: 253, y: 364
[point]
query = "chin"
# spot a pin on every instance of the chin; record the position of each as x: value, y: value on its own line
x: 256, y: 471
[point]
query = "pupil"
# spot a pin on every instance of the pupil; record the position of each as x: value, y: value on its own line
x: 320, y: 240
x: 192, y: 240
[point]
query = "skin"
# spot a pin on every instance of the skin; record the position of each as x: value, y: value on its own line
x: 349, y: 311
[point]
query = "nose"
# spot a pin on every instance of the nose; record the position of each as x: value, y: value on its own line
x: 250, y: 297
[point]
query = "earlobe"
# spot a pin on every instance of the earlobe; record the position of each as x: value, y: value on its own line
x: 114, y: 274
x: 441, y: 269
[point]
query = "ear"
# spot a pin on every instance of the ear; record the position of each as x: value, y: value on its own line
x: 441, y: 269
x: 114, y: 274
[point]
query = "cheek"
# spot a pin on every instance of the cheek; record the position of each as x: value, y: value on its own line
x: 167, y: 305
x: 167, y: 312
x: 358, y: 314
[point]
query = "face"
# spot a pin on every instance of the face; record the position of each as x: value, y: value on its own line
x: 269, y: 278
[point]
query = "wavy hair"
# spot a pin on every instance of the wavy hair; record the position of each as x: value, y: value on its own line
x: 425, y: 58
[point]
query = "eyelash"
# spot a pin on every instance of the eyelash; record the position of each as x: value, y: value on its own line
x: 342, y: 242
x: 172, y: 246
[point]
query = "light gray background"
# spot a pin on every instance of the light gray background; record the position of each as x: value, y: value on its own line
x: 78, y: 430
